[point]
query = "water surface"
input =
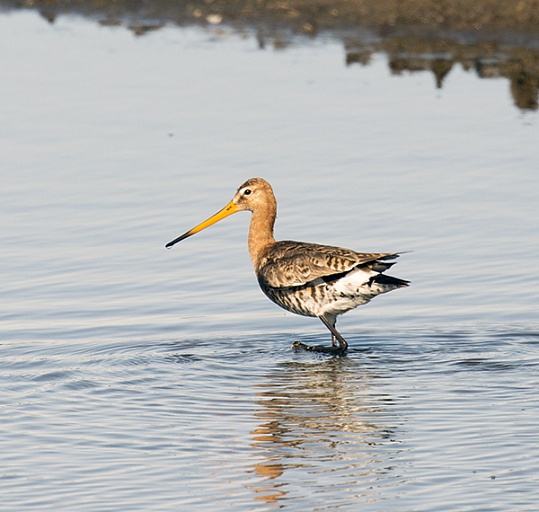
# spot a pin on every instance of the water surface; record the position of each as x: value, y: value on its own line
x: 144, y: 379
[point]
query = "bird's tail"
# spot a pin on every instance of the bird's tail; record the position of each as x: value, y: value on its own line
x: 387, y: 283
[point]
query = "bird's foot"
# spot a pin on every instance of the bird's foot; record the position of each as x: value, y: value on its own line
x: 335, y: 350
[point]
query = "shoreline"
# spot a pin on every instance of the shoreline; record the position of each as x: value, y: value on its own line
x: 493, y: 38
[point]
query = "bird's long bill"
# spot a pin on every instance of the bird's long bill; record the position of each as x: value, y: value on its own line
x: 229, y: 209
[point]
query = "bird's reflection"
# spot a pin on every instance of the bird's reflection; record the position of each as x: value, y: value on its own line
x: 321, y: 418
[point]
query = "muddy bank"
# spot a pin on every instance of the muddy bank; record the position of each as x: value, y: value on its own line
x: 493, y: 38
x: 483, y: 15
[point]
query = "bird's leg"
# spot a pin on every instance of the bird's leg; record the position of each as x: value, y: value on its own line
x: 335, y: 336
x: 339, y: 345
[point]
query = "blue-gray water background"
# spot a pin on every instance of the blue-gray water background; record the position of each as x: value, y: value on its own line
x: 135, y: 378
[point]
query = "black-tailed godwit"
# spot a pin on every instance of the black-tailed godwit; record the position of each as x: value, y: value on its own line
x: 307, y: 279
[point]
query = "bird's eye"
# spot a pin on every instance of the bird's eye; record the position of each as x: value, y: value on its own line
x: 247, y: 192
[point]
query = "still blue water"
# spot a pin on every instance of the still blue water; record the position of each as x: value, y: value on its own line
x: 135, y: 378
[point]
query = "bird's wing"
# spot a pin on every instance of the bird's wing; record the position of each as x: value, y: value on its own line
x: 287, y: 263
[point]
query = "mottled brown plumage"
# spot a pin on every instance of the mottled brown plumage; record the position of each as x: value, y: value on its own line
x: 307, y: 279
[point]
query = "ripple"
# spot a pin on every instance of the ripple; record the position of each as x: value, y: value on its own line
x: 53, y: 376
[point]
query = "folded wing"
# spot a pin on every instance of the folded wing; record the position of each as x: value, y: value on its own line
x: 287, y: 264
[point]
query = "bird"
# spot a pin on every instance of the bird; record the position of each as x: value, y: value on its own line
x: 308, y: 279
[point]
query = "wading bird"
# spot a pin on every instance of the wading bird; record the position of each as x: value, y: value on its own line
x: 307, y: 279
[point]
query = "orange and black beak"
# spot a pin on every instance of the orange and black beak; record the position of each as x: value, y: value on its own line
x: 229, y: 209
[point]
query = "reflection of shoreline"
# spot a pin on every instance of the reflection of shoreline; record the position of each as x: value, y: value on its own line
x: 496, y: 39
x: 489, y: 60
x: 315, y: 416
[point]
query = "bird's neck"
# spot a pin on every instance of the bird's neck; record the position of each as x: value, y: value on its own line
x: 261, y: 231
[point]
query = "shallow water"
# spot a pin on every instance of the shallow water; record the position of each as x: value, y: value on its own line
x: 136, y: 378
